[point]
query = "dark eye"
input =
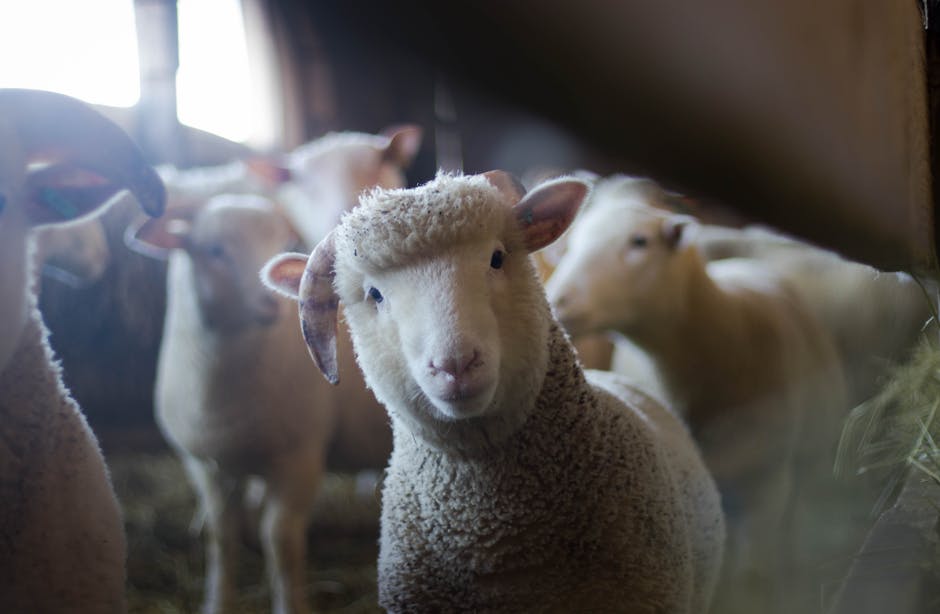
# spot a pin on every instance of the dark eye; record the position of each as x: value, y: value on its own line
x: 375, y: 295
x: 638, y: 241
x: 3, y: 203
x: 216, y: 251
x: 496, y: 260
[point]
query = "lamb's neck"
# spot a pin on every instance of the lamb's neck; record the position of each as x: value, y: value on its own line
x: 561, y: 384
x: 690, y: 345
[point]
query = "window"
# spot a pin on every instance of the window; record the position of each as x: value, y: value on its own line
x: 85, y: 49
x: 214, y: 89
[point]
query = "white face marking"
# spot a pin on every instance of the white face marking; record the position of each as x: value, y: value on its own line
x: 612, y: 270
x: 444, y: 311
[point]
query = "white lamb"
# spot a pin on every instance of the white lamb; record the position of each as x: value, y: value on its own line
x: 876, y: 318
x: 314, y: 183
x: 517, y: 483
x: 737, y: 352
x: 62, y: 543
x: 235, y: 399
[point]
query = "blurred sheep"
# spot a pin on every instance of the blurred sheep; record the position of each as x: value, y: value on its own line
x: 754, y: 373
x: 62, y: 546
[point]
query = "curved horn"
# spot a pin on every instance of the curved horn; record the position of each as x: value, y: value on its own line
x: 63, y: 131
x: 318, y: 308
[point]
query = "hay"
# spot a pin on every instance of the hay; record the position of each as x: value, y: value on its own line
x: 166, y: 562
x: 898, y: 429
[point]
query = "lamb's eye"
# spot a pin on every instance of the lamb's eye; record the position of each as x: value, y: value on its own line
x: 496, y: 260
x: 216, y: 251
x: 375, y: 295
x: 638, y: 241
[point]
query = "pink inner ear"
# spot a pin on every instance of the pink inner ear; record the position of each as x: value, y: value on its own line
x: 404, y: 144
x: 285, y: 273
x: 546, y: 212
x: 59, y: 192
x: 272, y: 173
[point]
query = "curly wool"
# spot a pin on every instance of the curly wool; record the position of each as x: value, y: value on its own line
x: 583, y: 509
x: 391, y: 227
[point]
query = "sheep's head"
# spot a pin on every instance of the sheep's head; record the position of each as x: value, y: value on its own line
x: 623, y: 268
x: 353, y: 162
x: 227, y: 239
x: 446, y: 313
x: 59, y: 161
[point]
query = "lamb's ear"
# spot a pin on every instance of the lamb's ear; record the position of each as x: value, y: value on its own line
x: 76, y: 158
x: 507, y: 184
x: 403, y: 145
x: 272, y: 172
x: 674, y: 229
x: 155, y: 237
x: 283, y: 273
x: 546, y: 212
x: 318, y: 308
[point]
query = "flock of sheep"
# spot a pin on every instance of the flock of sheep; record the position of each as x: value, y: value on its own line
x: 516, y: 480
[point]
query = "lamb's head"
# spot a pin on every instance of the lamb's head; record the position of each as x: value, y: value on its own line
x: 446, y: 313
x: 59, y: 161
x: 624, y: 267
x: 224, y: 242
x: 339, y: 167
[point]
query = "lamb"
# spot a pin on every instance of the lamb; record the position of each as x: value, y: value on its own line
x: 875, y: 318
x: 62, y: 545
x: 517, y: 482
x: 233, y: 397
x: 737, y: 352
x: 314, y: 183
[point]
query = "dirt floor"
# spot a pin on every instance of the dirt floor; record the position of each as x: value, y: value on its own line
x: 166, y: 562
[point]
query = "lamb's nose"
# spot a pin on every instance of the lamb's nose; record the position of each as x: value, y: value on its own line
x: 456, y: 366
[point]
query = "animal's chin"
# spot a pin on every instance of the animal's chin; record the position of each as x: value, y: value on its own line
x: 463, y: 402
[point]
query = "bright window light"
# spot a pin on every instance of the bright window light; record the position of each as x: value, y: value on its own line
x: 213, y: 83
x: 86, y: 49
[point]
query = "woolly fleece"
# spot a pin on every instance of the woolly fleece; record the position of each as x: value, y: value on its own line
x: 587, y: 501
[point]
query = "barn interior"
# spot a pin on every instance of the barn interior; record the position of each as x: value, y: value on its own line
x: 816, y: 121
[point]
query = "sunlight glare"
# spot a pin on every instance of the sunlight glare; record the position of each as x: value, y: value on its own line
x: 85, y: 49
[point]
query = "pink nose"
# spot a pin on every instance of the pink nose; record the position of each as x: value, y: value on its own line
x: 457, y: 366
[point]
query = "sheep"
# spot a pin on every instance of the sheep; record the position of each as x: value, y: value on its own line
x: 62, y: 546
x: 518, y: 481
x: 875, y: 318
x: 233, y: 399
x: 736, y: 351
x: 314, y: 183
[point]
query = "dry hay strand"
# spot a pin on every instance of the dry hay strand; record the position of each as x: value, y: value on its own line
x: 165, y: 564
x: 896, y: 430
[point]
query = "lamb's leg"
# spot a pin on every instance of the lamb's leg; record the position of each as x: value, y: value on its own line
x: 290, y: 496
x: 220, y: 497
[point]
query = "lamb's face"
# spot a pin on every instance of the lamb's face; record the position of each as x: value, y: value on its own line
x: 229, y: 243
x: 617, y: 270
x: 449, y: 331
x: 13, y: 233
